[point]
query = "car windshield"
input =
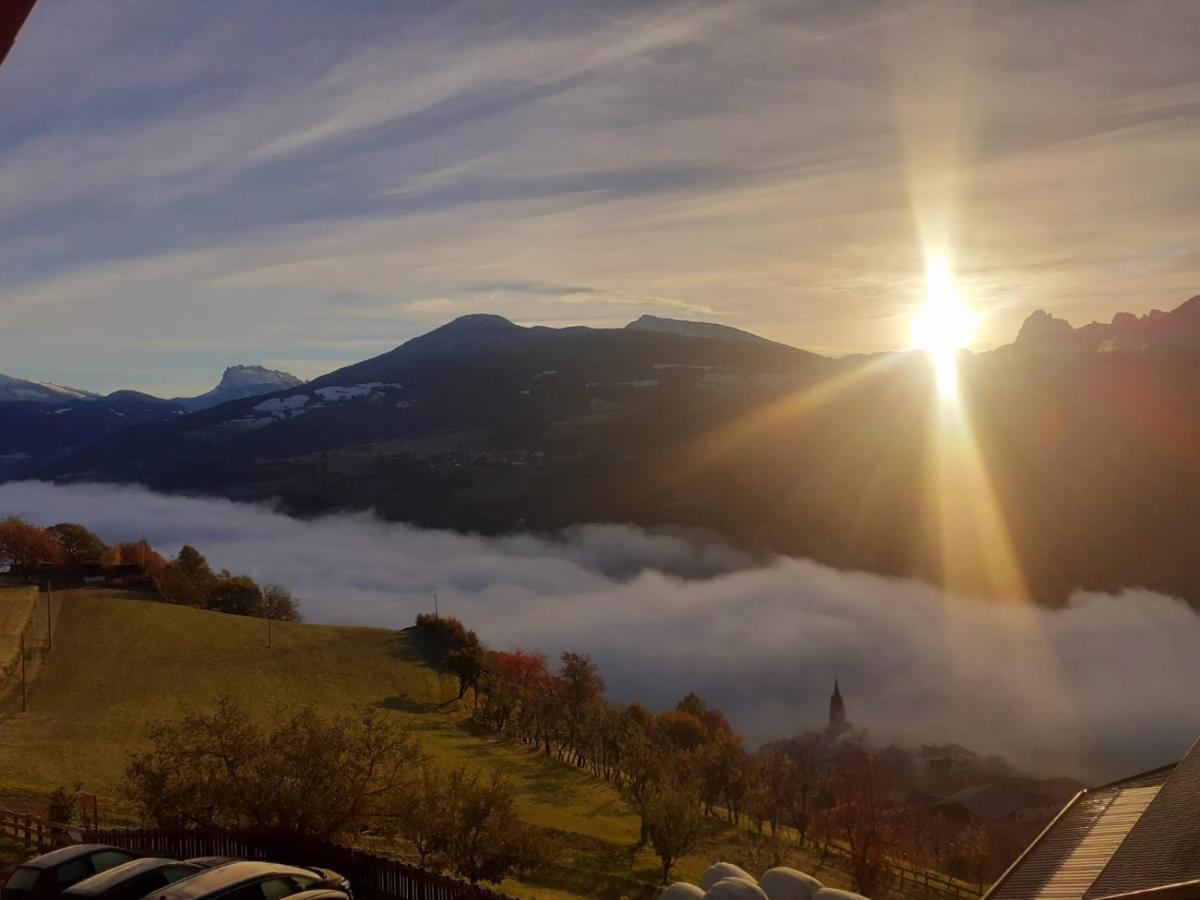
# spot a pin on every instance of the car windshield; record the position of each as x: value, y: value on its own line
x: 22, y: 879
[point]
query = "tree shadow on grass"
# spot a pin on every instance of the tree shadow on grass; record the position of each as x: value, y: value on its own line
x: 543, y: 778
x: 414, y: 646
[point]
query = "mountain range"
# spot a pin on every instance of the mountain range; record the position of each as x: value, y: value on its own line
x: 41, y: 421
x: 1178, y: 329
x: 236, y: 383
x: 1090, y: 438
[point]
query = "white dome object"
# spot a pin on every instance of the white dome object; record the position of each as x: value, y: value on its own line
x: 717, y: 871
x: 784, y: 883
x: 837, y: 894
x: 735, y: 889
x: 681, y: 890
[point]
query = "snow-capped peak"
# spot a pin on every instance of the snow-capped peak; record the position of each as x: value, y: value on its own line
x: 19, y: 389
x: 240, y: 382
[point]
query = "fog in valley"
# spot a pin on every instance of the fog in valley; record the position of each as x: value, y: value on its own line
x: 1100, y: 688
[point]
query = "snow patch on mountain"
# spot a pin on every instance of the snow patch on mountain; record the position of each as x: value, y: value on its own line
x: 279, y: 408
x: 283, y: 404
x: 21, y: 390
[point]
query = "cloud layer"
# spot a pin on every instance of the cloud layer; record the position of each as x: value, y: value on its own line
x: 181, y: 191
x: 1103, y: 687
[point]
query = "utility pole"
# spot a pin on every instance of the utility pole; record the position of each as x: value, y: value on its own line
x: 435, y: 607
x: 49, y: 618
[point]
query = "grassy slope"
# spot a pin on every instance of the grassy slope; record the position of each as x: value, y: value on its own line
x: 17, y: 605
x: 120, y: 661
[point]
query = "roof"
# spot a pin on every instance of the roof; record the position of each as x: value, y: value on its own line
x: 1163, y: 848
x: 62, y: 855
x: 100, y: 883
x: 1011, y: 797
x: 987, y: 801
x: 210, y: 880
x: 1066, y: 858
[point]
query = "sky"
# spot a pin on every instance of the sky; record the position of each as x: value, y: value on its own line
x: 187, y: 185
x: 1101, y: 688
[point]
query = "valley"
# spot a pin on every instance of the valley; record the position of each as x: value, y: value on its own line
x: 485, y: 426
x: 121, y: 661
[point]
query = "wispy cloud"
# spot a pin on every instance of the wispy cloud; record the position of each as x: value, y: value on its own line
x: 749, y: 160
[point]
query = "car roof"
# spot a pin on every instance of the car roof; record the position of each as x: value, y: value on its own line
x: 65, y: 854
x: 229, y: 875
x: 98, y: 884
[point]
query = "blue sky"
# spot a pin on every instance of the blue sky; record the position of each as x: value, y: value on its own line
x: 187, y: 185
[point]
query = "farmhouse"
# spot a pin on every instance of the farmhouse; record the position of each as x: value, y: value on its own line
x: 1134, y: 838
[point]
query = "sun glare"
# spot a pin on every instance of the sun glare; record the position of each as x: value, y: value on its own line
x: 944, y: 325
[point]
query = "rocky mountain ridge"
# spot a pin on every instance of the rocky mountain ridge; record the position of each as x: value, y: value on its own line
x: 1178, y: 329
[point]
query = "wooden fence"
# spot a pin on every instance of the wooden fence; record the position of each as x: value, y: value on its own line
x: 899, y: 879
x: 372, y: 877
x: 32, y: 832
x: 379, y: 878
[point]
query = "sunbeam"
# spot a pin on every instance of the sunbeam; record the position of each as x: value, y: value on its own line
x: 777, y: 412
x: 944, y: 325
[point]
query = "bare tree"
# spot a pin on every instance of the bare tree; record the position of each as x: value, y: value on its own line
x: 305, y: 775
x: 676, y: 820
x: 860, y: 818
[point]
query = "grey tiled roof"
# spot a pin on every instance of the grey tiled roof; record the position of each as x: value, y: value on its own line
x: 1163, y: 848
x: 1066, y: 858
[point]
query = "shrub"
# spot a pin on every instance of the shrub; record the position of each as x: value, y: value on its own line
x: 467, y: 824
x: 305, y: 775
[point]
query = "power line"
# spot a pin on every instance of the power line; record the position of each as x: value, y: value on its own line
x: 408, y: 599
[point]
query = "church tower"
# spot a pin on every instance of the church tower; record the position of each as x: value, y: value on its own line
x: 837, y: 711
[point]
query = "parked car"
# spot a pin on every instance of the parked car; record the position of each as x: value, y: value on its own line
x: 45, y: 877
x: 328, y: 876
x: 246, y: 880
x: 211, y: 862
x: 321, y: 894
x: 132, y: 880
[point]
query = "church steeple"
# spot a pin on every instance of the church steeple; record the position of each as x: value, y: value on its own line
x: 837, y: 710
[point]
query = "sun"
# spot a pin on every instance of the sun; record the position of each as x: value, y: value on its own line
x: 943, y: 325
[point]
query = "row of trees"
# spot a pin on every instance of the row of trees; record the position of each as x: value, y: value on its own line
x: 329, y: 778
x: 70, y: 549
x: 26, y: 548
x: 684, y: 768
x: 188, y: 580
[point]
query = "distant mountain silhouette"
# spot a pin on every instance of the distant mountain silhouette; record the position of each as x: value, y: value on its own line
x: 45, y: 432
x: 18, y: 390
x: 484, y: 425
x: 240, y: 382
x: 693, y: 329
x: 1178, y: 329
x: 45, y: 422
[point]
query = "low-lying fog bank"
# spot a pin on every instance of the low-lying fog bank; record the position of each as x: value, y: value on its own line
x: 1103, y: 687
